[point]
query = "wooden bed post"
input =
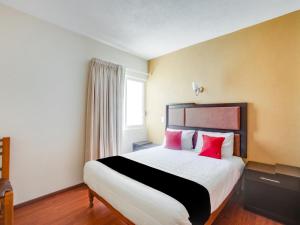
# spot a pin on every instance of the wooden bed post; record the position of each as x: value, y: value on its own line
x: 91, y: 198
x: 8, y: 208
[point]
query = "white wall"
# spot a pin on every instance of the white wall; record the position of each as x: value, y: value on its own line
x: 133, y: 135
x: 43, y: 74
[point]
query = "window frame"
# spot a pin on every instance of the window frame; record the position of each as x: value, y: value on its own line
x: 143, y: 81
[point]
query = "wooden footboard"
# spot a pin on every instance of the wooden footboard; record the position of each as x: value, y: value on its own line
x: 210, y: 221
x: 93, y: 194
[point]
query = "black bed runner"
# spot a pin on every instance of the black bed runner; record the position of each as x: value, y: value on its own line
x: 192, y: 195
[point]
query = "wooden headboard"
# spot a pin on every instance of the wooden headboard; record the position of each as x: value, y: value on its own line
x: 224, y: 117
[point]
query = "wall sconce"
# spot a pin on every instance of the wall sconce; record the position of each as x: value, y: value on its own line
x: 196, y: 88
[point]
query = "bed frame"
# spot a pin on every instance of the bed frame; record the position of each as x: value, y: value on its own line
x: 224, y: 117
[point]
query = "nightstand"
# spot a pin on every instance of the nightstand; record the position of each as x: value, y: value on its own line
x: 273, y: 191
x: 142, y: 145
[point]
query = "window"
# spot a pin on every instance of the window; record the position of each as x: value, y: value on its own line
x: 134, y: 102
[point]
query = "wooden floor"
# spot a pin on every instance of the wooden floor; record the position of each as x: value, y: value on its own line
x: 235, y: 214
x: 71, y: 207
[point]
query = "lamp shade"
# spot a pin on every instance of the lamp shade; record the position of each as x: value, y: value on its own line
x: 195, y: 86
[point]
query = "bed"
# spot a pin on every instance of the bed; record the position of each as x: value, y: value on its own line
x: 137, y: 203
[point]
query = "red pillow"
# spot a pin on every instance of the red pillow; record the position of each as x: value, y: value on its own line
x: 173, y: 139
x: 212, y: 146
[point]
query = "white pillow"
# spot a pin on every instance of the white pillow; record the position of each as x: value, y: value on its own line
x: 186, y: 138
x: 227, y: 146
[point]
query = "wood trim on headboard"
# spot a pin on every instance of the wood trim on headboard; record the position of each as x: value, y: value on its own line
x: 241, y: 130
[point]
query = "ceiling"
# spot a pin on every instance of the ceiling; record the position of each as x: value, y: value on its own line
x: 151, y: 28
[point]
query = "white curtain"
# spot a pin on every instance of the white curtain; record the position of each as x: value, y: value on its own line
x: 104, y: 110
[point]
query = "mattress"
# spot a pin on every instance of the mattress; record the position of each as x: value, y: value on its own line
x: 144, y: 205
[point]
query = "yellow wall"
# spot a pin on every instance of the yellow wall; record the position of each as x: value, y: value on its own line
x: 259, y: 65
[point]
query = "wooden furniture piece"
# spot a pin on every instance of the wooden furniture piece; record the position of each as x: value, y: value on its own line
x: 224, y: 117
x: 273, y: 191
x: 6, y: 192
x: 136, y: 146
x: 210, y: 221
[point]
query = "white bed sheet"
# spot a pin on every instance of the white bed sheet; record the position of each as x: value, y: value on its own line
x: 144, y: 205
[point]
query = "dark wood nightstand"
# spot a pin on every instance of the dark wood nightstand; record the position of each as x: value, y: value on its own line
x: 142, y: 145
x: 273, y: 191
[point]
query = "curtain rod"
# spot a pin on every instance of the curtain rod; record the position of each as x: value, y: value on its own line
x: 126, y: 68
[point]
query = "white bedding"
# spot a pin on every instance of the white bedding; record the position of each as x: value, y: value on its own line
x: 144, y: 205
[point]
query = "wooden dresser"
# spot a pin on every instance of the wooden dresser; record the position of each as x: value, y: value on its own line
x: 273, y: 191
